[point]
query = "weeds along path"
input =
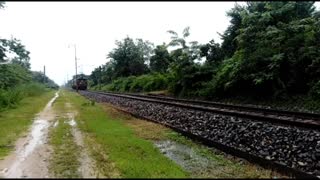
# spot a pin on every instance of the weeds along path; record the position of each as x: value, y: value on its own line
x: 31, y: 152
x: 70, y: 157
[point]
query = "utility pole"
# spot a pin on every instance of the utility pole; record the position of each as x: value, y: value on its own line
x: 67, y: 83
x: 75, y: 59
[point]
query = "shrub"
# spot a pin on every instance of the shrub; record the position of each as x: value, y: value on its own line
x: 143, y: 83
x: 315, y: 91
x: 11, y: 97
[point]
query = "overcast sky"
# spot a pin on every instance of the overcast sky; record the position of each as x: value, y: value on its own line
x: 48, y: 28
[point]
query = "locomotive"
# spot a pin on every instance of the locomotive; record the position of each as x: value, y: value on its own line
x: 81, y: 83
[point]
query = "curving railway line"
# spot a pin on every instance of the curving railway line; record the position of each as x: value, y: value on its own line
x: 286, y: 141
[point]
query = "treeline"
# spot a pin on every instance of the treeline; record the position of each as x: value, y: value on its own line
x: 270, y: 49
x: 16, y: 79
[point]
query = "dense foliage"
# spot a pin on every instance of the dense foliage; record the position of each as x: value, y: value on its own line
x: 143, y: 83
x: 17, y: 81
x: 277, y: 50
x: 270, y: 49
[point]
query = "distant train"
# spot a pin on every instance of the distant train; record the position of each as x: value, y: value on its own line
x: 81, y: 83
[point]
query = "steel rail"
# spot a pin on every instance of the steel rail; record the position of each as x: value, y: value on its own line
x: 309, y: 124
x: 304, y: 115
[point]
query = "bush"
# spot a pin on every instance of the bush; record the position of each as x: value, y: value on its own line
x: 11, y: 97
x: 315, y: 91
x: 143, y: 83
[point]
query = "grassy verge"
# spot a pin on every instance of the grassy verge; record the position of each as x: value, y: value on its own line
x: 64, y: 162
x: 13, y: 122
x: 125, y: 152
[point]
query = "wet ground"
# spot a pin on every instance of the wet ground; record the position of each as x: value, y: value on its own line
x: 30, y: 158
x: 87, y: 165
x: 186, y: 157
x: 205, y: 166
x: 32, y: 152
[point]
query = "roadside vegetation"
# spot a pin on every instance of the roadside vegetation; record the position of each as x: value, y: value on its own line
x: 269, y: 52
x: 64, y: 161
x: 15, y: 121
x: 17, y: 81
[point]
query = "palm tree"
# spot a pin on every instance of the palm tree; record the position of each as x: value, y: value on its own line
x: 193, y: 47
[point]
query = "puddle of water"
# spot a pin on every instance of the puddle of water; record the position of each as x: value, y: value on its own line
x: 72, y: 122
x: 52, y: 100
x: 185, y: 156
x: 36, y: 139
x: 56, y: 124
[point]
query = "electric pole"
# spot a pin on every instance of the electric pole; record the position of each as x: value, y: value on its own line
x: 44, y: 74
x: 75, y: 59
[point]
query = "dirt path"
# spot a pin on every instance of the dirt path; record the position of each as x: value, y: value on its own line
x: 86, y: 163
x: 32, y: 152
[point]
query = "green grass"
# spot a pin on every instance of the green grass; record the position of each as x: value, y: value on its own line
x: 133, y: 157
x: 13, y: 122
x: 64, y: 162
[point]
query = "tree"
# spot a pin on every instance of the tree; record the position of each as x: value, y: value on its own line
x: 39, y: 77
x: 2, y: 3
x: 161, y: 60
x: 176, y: 40
x: 103, y: 74
x: 276, y: 46
x: 2, y: 52
x: 187, y: 76
x: 229, y: 44
x: 129, y: 57
x: 18, y: 52
x: 213, y: 53
x: 12, y: 75
x: 192, y: 49
x: 146, y: 49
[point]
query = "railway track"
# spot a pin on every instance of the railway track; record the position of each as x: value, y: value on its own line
x: 300, y: 119
x: 288, y: 149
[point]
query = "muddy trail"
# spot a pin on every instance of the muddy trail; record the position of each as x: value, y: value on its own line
x: 86, y: 168
x: 32, y: 153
